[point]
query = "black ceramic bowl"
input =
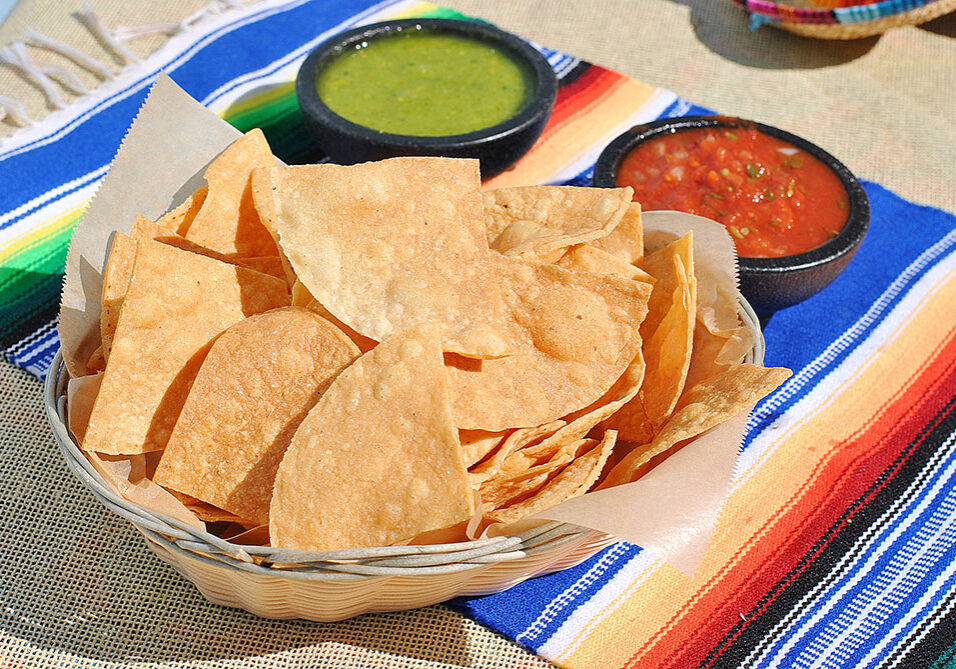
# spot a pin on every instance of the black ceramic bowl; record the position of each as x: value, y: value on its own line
x: 496, y: 147
x: 769, y: 284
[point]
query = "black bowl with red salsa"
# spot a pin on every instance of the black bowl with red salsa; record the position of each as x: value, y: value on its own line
x: 796, y: 213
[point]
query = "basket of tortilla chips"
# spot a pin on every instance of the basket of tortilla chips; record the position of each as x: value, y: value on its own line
x: 324, y: 390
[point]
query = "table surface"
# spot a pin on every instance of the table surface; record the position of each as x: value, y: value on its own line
x: 882, y: 105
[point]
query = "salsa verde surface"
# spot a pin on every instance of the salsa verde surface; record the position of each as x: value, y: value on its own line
x: 775, y: 199
x: 424, y: 83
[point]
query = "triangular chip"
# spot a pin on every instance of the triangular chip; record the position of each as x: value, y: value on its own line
x: 260, y: 184
x: 577, y: 333
x: 209, y: 513
x: 177, y: 303
x: 477, y: 444
x: 377, y: 460
x: 534, y: 222
x: 517, y: 440
x: 119, y: 270
x: 228, y: 222
x: 177, y: 221
x: 668, y: 337
x: 574, y: 480
x: 257, y: 383
x: 626, y: 241
x: 588, y: 258
x: 389, y: 245
x: 702, y: 407
x: 301, y: 297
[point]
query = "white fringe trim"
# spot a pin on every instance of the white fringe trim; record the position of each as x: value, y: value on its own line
x: 40, y: 40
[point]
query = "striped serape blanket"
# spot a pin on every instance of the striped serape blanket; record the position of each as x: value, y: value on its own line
x: 837, y: 546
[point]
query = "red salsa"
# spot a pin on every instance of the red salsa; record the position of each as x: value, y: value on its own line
x: 775, y: 199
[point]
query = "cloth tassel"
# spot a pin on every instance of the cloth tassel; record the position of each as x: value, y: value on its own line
x: 127, y: 33
x: 15, y: 110
x: 106, y: 36
x: 16, y: 55
x: 37, y: 39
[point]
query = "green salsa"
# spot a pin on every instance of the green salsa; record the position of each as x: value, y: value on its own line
x: 425, y: 84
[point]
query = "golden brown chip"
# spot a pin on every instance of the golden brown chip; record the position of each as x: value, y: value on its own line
x: 177, y: 303
x: 588, y: 258
x: 228, y: 222
x: 260, y: 184
x: 257, y: 383
x: 533, y: 222
x: 377, y: 460
x: 119, y: 270
x: 516, y: 441
x: 210, y: 514
x: 385, y: 246
x: 572, y: 481
x: 702, y: 407
x: 477, y: 444
x: 301, y: 297
x: 144, y: 228
x: 626, y: 241
x: 581, y: 422
x: 714, y: 353
x: 271, y: 265
x: 668, y: 338
x: 177, y: 221
x: 577, y: 333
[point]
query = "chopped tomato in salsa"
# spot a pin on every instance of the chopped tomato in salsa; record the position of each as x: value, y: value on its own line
x: 775, y: 199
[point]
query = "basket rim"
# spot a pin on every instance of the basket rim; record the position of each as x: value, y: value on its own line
x: 344, y: 564
x: 783, y: 13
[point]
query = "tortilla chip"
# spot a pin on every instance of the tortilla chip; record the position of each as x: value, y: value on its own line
x: 144, y: 228
x: 668, y: 338
x: 587, y: 258
x: 116, y: 277
x: 477, y: 444
x: 702, y: 407
x: 385, y: 246
x: 208, y: 513
x: 271, y: 265
x: 507, y: 489
x: 582, y: 422
x: 533, y: 222
x: 626, y: 241
x: 572, y: 481
x: 377, y: 460
x: 176, y: 305
x: 301, y: 297
x: 714, y: 269
x: 257, y: 383
x: 228, y: 222
x: 260, y: 184
x: 577, y: 333
x: 516, y: 441
x: 177, y: 221
x: 714, y: 353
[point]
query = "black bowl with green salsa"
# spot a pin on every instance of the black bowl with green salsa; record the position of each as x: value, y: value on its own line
x: 426, y: 87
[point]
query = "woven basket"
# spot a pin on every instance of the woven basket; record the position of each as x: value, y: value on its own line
x: 334, y: 585
x: 846, y: 22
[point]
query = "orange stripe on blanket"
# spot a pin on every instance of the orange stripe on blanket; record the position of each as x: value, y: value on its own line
x: 752, y: 525
x: 795, y: 534
x: 600, y: 102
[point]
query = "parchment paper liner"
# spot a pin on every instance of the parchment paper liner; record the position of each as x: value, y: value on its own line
x: 671, y: 511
